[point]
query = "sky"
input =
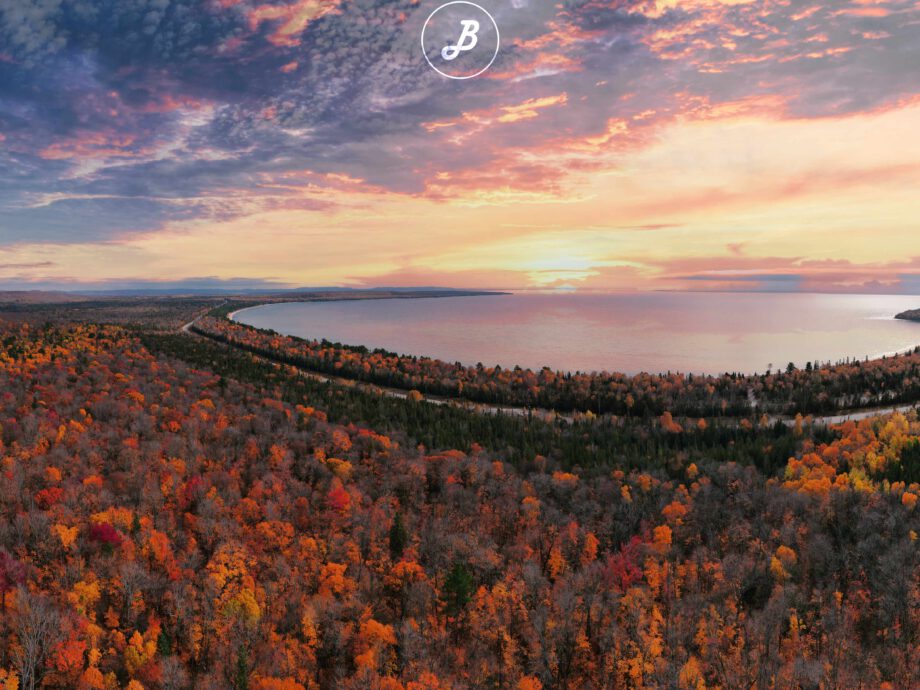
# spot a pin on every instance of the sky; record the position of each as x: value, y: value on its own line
x: 613, y: 145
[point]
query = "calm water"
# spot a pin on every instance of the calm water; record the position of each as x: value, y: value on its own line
x: 655, y: 332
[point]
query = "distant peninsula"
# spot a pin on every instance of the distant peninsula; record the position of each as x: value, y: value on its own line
x: 910, y: 315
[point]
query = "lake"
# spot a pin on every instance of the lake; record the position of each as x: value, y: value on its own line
x: 653, y: 332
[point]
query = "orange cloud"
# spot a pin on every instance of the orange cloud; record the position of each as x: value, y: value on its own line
x: 292, y: 19
x: 505, y: 114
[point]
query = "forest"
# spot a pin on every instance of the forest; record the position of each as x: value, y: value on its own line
x: 815, y: 389
x: 179, y: 513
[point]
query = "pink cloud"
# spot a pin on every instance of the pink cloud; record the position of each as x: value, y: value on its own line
x: 91, y: 145
x: 751, y: 273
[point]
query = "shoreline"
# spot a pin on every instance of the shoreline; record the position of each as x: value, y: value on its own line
x: 367, y: 297
x: 837, y: 417
x: 232, y: 316
x: 549, y: 415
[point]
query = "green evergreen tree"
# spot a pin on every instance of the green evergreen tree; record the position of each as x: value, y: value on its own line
x: 399, y: 537
x: 458, y: 588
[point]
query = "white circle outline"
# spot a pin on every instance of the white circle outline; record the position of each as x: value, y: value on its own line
x: 498, y: 38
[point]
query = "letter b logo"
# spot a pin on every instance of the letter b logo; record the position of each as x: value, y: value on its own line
x: 468, y: 40
x: 460, y: 40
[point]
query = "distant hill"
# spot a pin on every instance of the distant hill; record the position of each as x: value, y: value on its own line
x: 910, y: 315
x: 36, y: 297
x: 192, y: 291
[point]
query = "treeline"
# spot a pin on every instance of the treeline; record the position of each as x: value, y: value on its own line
x: 174, y: 523
x: 590, y: 445
x: 158, y: 313
x: 816, y: 389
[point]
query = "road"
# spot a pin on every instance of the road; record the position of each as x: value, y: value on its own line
x: 856, y: 415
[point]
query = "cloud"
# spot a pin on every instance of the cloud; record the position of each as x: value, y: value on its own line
x: 291, y: 18
x: 785, y: 274
x: 125, y: 118
x: 24, y: 266
x: 471, y: 279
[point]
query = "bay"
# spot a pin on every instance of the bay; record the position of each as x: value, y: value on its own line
x: 652, y: 332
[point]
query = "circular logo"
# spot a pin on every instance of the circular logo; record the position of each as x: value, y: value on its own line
x: 460, y: 40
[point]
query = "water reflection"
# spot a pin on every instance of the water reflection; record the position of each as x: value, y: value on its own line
x: 698, y: 332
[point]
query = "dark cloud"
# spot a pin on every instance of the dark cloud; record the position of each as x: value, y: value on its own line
x: 25, y: 265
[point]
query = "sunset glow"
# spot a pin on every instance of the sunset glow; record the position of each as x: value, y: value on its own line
x: 614, y: 146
